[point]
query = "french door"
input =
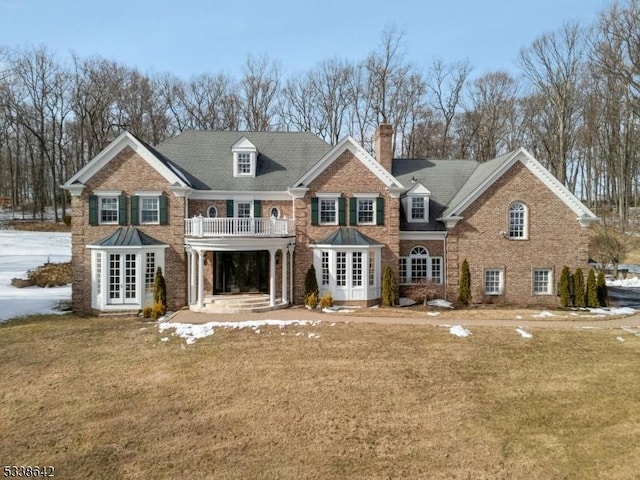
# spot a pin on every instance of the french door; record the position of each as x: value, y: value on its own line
x: 122, y: 281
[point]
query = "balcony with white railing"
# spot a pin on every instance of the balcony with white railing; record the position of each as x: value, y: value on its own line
x: 238, y: 227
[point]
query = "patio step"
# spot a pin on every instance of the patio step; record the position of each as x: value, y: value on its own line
x: 239, y: 303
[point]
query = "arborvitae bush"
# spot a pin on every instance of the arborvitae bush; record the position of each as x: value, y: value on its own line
x: 601, y: 285
x: 311, y: 285
x: 564, y: 287
x: 390, y: 292
x: 592, y: 290
x: 464, y: 288
x: 159, y: 288
x: 578, y: 289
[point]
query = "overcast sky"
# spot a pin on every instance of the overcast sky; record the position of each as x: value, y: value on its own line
x: 196, y: 36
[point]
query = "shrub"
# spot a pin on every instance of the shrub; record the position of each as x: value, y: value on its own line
x: 326, y: 301
x: 578, y: 289
x: 311, y: 285
x: 158, y: 310
x: 159, y: 288
x: 564, y: 288
x: 311, y: 300
x: 67, y: 220
x: 147, y: 311
x: 592, y: 290
x: 464, y: 287
x: 601, y: 286
x: 390, y: 292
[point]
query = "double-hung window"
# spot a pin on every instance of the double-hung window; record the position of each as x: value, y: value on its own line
x: 518, y: 221
x: 328, y: 209
x: 108, y: 210
x: 366, y: 213
x: 149, y: 210
x: 542, y: 281
x: 418, y: 208
x: 420, y: 267
x: 244, y: 163
x: 493, y: 281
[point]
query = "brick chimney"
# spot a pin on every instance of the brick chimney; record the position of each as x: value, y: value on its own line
x: 383, y: 144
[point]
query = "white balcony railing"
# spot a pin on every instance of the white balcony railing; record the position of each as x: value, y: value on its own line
x: 238, y: 227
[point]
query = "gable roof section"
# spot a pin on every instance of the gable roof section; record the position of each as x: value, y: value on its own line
x: 487, y: 173
x: 161, y: 164
x: 283, y: 157
x: 348, y: 143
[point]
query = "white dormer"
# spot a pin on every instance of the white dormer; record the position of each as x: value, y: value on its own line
x: 245, y: 154
x: 416, y: 203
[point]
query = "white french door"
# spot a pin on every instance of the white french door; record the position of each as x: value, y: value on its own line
x: 122, y: 285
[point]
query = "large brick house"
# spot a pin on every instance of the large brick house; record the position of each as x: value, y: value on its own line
x: 249, y: 212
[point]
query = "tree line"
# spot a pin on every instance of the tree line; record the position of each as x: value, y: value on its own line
x: 574, y: 103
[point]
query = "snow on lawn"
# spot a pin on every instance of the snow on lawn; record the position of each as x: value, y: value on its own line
x: 459, y: 331
x: 440, y: 303
x: 543, y: 314
x: 21, y: 251
x: 613, y: 311
x: 192, y: 332
x: 523, y: 333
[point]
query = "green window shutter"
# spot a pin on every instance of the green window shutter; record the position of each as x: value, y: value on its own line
x: 93, y: 210
x: 380, y: 211
x: 314, y: 211
x: 164, y: 210
x: 229, y: 208
x: 257, y: 209
x: 353, y: 211
x: 122, y: 209
x: 135, y: 213
x: 341, y: 211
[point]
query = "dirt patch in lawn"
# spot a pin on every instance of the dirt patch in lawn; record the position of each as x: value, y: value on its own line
x: 115, y: 398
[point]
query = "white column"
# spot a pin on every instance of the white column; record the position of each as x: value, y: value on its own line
x: 285, y: 275
x: 200, y: 278
x: 290, y: 249
x: 272, y: 278
x: 192, y: 280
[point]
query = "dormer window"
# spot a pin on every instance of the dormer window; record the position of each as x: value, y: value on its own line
x: 245, y: 154
x: 416, y: 203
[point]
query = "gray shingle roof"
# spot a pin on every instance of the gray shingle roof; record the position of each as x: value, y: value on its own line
x: 127, y: 237
x: 348, y: 236
x: 206, y: 157
x: 443, y: 178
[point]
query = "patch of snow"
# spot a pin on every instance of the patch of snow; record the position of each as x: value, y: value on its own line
x: 406, y: 302
x: 438, y: 302
x: 543, y: 314
x: 333, y: 324
x: 624, y: 282
x: 613, y: 311
x: 164, y: 339
x: 20, y: 252
x: 588, y: 327
x: 433, y: 314
x: 631, y: 331
x: 313, y: 335
x: 519, y: 317
x: 620, y: 339
x: 192, y: 332
x: 337, y: 310
x: 523, y: 333
x: 459, y: 331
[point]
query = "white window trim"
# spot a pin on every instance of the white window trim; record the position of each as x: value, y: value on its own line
x: 525, y: 228
x: 373, y: 211
x: 336, y: 206
x: 279, y: 213
x: 140, y: 209
x: 549, y: 284
x: 408, y: 279
x: 215, y: 209
x: 102, y: 196
x: 365, y: 291
x: 409, y: 209
x: 500, y: 281
x: 235, y: 207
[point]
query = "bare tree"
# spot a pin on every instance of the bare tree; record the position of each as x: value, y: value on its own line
x: 259, y: 88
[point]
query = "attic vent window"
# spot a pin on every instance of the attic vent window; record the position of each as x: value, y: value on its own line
x: 245, y: 155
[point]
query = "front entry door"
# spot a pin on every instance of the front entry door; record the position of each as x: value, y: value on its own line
x: 241, y: 272
x: 122, y: 279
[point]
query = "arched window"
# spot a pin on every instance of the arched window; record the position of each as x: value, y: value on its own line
x: 518, y: 221
x: 212, y: 212
x: 274, y: 212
